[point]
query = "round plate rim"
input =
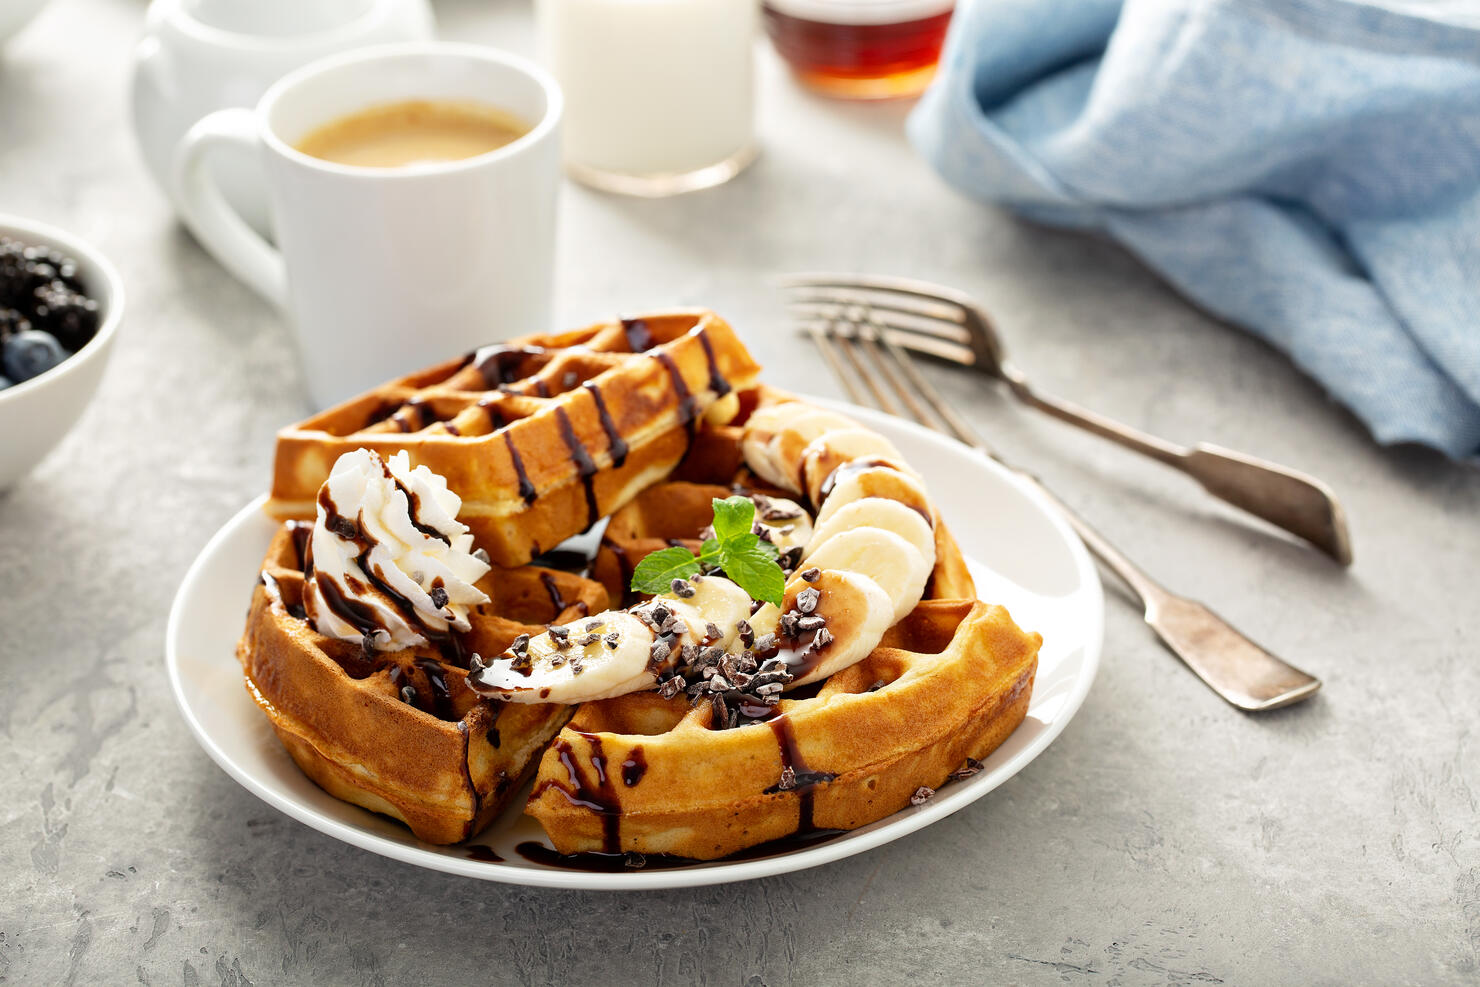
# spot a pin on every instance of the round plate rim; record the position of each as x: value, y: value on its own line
x: 719, y: 872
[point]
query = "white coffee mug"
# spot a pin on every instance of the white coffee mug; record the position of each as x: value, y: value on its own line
x: 198, y: 56
x: 385, y: 270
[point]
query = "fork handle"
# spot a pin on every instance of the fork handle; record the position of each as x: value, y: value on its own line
x: 1286, y: 498
x: 1234, y: 667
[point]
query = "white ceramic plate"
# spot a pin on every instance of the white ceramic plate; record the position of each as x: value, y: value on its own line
x: 1021, y: 554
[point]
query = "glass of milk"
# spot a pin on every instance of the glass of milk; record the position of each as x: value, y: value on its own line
x: 659, y: 94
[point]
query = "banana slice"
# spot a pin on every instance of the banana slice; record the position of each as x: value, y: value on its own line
x: 724, y: 410
x: 855, y: 612
x: 860, y: 480
x: 716, y: 601
x: 840, y: 447
x: 789, y: 443
x: 613, y: 653
x: 788, y: 524
x: 603, y: 656
x: 760, y: 429
x: 886, y: 558
x: 876, y: 512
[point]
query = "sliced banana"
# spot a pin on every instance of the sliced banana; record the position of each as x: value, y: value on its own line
x: 605, y: 655
x: 886, y: 558
x: 876, y: 512
x: 856, y: 611
x: 798, y: 432
x: 840, y: 447
x: 723, y: 410
x: 716, y: 601
x: 612, y: 653
x: 760, y: 429
x: 885, y: 481
x: 786, y: 532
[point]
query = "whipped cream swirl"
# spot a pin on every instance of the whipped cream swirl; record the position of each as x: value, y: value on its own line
x: 391, y: 564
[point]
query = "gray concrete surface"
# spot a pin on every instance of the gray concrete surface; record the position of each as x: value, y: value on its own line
x: 1163, y: 839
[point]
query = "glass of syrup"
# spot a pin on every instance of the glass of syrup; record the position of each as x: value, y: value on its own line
x: 860, y: 49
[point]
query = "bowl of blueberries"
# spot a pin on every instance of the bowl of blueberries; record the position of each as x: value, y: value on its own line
x: 60, y: 305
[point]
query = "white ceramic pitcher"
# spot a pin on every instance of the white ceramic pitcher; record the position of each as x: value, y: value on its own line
x: 198, y: 56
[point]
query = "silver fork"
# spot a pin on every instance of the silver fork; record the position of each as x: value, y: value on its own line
x: 949, y: 325
x: 1235, y: 667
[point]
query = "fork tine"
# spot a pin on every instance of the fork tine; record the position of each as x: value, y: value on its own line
x: 881, y: 398
x: 838, y: 305
x: 829, y: 352
x: 902, y: 286
x: 953, y: 421
x: 872, y: 340
x: 942, y: 318
x: 941, y: 349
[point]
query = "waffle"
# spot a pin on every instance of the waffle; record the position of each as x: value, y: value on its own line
x: 641, y: 773
x: 399, y: 732
x: 540, y: 436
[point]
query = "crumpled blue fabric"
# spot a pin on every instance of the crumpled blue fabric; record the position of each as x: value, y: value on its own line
x: 1307, y: 169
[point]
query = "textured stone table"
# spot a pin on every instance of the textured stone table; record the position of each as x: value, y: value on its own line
x: 1164, y: 838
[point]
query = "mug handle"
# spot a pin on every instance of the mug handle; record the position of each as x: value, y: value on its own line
x: 219, y: 228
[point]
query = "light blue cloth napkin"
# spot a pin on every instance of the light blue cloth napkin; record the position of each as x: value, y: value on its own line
x: 1308, y: 169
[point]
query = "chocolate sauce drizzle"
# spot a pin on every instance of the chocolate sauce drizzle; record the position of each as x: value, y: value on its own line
x: 557, y: 600
x: 639, y: 336
x: 805, y: 778
x: 301, y: 530
x: 500, y: 364
x: 599, y: 795
x: 634, y: 767
x: 717, y: 382
x: 496, y: 419
x: 358, y: 615
x: 526, y: 489
x: 437, y: 680
x: 410, y: 416
x: 484, y: 854
x: 688, y: 408
x: 615, y: 444
x: 848, y: 469
x: 618, y: 863
x: 585, y: 465
x: 861, y: 466
x: 275, y: 595
x: 413, y: 502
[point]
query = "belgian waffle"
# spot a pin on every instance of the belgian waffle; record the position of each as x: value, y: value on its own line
x: 399, y: 732
x: 540, y: 436
x: 647, y: 774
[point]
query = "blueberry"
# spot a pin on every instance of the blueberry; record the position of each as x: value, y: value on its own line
x: 4, y: 382
x: 29, y: 353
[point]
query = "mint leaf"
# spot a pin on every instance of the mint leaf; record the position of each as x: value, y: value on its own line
x: 756, y: 573
x: 656, y: 572
x: 733, y: 518
x: 745, y: 559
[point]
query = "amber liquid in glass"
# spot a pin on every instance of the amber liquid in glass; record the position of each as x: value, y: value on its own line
x: 860, y: 61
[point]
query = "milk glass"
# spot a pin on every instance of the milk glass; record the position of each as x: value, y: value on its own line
x: 659, y: 94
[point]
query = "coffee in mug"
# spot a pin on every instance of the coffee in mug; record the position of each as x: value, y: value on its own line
x: 446, y: 241
x: 393, y: 135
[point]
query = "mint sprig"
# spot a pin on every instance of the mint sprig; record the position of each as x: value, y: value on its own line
x: 737, y: 550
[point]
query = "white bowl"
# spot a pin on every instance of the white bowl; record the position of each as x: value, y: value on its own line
x: 35, y: 414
